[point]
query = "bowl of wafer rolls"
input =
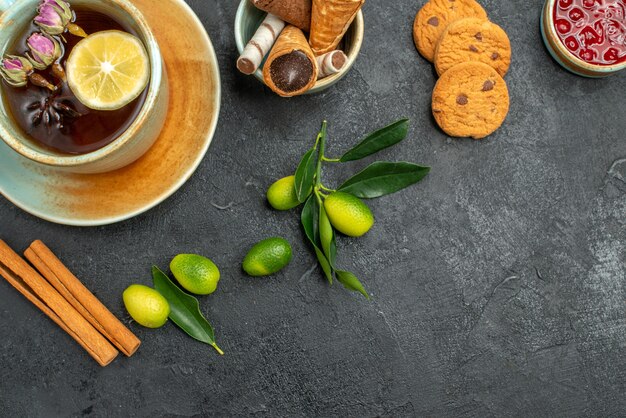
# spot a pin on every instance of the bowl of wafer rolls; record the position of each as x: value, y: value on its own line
x: 298, y: 47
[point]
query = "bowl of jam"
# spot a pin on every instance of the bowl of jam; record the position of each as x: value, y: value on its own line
x: 587, y: 37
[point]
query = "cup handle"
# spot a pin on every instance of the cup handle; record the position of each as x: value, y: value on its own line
x: 4, y: 4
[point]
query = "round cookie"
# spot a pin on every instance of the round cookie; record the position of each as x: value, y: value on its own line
x: 470, y: 100
x: 435, y: 16
x: 473, y: 39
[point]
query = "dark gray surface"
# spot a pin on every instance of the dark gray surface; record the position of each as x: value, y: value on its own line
x: 499, y: 282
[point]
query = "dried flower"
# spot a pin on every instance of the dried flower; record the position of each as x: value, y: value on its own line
x: 53, y: 16
x: 44, y: 50
x: 15, y: 70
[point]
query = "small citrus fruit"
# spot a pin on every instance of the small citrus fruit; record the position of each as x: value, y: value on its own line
x: 195, y: 273
x: 348, y: 214
x: 282, y: 194
x: 108, y: 70
x: 267, y: 257
x: 146, y: 306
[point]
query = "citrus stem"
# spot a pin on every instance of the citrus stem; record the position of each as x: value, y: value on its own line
x: 317, y: 140
x: 320, y: 196
x: 219, y: 350
x: 326, y: 189
x: 320, y: 158
x: 331, y: 160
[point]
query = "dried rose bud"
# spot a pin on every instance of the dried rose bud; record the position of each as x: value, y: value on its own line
x: 44, y: 50
x: 15, y: 70
x: 53, y: 16
x: 65, y: 10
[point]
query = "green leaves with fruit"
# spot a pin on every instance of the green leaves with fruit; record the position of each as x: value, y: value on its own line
x: 327, y: 210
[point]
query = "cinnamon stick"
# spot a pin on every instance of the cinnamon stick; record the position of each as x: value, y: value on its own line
x: 90, y: 307
x: 23, y: 288
x: 37, y: 290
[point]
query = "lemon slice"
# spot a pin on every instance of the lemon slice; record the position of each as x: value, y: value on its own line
x: 108, y: 70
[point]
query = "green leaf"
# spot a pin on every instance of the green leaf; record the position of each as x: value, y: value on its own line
x: 309, y: 216
x: 310, y: 223
x: 305, y: 175
x: 378, y: 141
x: 350, y: 282
x: 324, y: 264
x: 184, y: 310
x: 383, y: 178
x: 327, y: 236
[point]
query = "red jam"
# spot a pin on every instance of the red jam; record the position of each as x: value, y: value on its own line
x: 593, y: 30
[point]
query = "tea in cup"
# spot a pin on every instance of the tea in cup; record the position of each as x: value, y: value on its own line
x: 85, y: 103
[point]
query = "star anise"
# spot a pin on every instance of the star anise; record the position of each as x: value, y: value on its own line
x: 53, y: 111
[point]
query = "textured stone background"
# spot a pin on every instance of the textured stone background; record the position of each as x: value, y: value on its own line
x: 499, y: 282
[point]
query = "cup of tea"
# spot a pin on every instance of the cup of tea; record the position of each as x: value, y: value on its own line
x: 46, y: 120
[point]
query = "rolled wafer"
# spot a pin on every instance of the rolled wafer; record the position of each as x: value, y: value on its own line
x: 260, y: 44
x: 291, y: 68
x: 296, y: 12
x: 330, y: 19
x: 331, y: 63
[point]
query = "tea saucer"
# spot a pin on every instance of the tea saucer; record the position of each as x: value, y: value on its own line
x: 101, y: 199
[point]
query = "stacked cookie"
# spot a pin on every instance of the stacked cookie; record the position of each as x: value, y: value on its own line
x: 471, y: 56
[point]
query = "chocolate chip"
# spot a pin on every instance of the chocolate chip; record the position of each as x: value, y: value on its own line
x: 461, y: 99
x: 495, y: 56
x: 479, y: 36
x: 488, y: 86
x: 433, y: 21
x: 473, y: 48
